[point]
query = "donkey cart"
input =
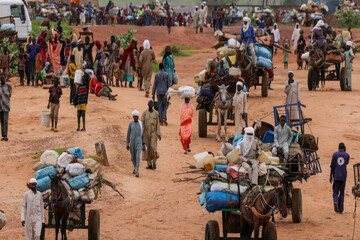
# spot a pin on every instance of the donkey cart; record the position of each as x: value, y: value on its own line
x: 231, y: 222
x: 78, y: 221
x: 303, y: 162
x: 203, y: 121
x: 330, y: 68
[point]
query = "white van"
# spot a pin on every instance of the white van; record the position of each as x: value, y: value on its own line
x: 17, y: 8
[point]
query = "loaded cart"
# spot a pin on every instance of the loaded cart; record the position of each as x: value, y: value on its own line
x: 301, y: 165
x: 77, y: 220
x: 328, y: 68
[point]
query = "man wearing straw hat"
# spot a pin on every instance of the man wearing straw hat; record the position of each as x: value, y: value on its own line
x: 32, y: 212
x: 135, y: 141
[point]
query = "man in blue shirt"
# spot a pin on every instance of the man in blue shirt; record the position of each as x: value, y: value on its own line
x: 32, y: 50
x: 247, y: 38
x: 338, y: 175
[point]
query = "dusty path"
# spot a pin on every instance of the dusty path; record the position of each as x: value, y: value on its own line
x: 155, y: 207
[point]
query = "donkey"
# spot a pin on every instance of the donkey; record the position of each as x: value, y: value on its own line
x: 223, y: 101
x: 61, y: 199
x: 257, y: 208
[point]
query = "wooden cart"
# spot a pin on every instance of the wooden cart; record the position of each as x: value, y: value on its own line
x: 231, y: 224
x: 93, y: 225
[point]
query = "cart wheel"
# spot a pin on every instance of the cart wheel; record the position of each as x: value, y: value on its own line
x: 271, y: 233
x: 264, y: 84
x: 343, y: 79
x: 296, y: 207
x: 42, y: 236
x: 202, y: 123
x: 311, y: 74
x: 94, y: 225
x: 212, y: 230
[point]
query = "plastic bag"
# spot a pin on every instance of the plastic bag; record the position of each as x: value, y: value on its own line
x: 75, y: 169
x: 45, y: 172
x: 175, y: 78
x: 65, y: 159
x: 79, y: 181
x: 186, y: 92
x: 76, y: 152
x: 90, y: 164
x: 48, y: 158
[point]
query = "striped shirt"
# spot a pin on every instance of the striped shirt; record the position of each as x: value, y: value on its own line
x: 5, y: 95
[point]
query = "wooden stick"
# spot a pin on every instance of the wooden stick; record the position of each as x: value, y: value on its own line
x: 286, y: 50
x: 112, y: 185
x: 186, y: 179
x: 192, y: 171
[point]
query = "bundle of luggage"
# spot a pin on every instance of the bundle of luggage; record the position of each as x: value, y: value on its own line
x: 82, y: 174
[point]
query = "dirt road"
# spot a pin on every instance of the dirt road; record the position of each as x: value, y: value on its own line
x: 154, y: 206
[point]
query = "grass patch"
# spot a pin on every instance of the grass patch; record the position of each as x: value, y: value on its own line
x: 178, y: 51
x: 37, y: 29
x: 155, y: 66
x: 95, y: 158
x: 37, y: 155
x: 286, y: 24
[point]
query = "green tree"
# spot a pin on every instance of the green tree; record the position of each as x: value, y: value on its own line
x: 348, y: 19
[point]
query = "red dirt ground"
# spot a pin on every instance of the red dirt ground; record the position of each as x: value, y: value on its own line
x: 155, y: 207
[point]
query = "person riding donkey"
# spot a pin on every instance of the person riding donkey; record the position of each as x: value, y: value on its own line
x: 247, y: 38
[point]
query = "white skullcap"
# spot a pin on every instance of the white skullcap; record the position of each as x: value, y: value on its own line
x: 240, y: 83
x: 135, y: 113
x: 150, y: 100
x: 246, y: 19
x: 290, y: 72
x: 275, y: 24
x: 32, y: 180
x: 196, y: 7
x: 349, y: 43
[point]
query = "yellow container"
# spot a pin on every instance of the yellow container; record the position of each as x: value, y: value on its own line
x: 209, y: 163
x: 233, y: 156
x: 199, y: 159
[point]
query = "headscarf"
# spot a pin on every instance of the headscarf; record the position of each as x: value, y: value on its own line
x: 297, y: 25
x: 246, y: 26
x: 247, y: 141
x: 136, y: 113
x: 241, y: 84
x: 41, y: 39
x: 349, y: 43
x: 98, y: 43
x: 129, y: 52
x: 166, y: 54
x: 32, y: 180
x: 319, y: 24
x: 146, y: 44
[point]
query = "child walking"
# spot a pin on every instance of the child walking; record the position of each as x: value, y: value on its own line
x: 21, y: 68
x: 55, y: 93
x: 81, y: 100
x: 117, y: 71
x: 286, y: 54
x: 72, y: 69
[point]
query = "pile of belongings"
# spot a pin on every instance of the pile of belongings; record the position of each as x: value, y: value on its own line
x: 227, y: 180
x: 82, y: 174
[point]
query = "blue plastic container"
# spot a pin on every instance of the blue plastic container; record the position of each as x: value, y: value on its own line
x: 237, y: 139
x: 44, y: 172
x: 79, y: 181
x: 268, y: 137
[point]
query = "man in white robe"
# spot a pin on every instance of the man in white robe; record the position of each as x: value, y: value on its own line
x: 276, y: 33
x: 240, y: 107
x: 292, y: 91
x: 32, y: 212
x: 282, y: 139
x: 249, y: 152
x: 295, y: 37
